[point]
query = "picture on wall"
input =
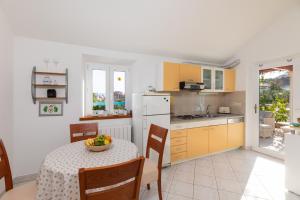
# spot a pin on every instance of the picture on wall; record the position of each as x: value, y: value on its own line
x: 51, y: 108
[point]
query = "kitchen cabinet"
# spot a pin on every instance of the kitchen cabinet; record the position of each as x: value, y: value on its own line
x: 190, y: 73
x: 217, y: 138
x: 218, y: 80
x: 229, y: 76
x: 235, y: 135
x: 213, y: 79
x: 171, y: 76
x: 178, y: 145
x: 197, y: 142
x: 207, y: 78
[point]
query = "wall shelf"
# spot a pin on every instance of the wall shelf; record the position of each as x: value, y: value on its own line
x: 46, y: 98
x: 35, y: 85
x: 49, y: 86
x: 50, y: 73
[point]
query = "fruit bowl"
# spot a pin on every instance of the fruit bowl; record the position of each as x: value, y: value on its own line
x: 99, y: 143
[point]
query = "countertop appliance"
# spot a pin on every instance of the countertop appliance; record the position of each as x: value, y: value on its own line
x: 183, y: 85
x: 150, y: 109
x: 292, y: 164
x: 224, y: 110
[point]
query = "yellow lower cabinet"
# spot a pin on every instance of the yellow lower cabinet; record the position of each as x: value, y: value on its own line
x: 217, y: 138
x: 235, y: 135
x: 178, y: 133
x: 178, y: 156
x: 197, y: 142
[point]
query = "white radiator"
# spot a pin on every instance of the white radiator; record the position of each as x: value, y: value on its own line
x: 120, y: 132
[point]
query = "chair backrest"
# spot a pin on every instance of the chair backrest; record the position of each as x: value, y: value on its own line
x: 5, y: 168
x: 156, y: 141
x: 115, y: 182
x: 83, y: 131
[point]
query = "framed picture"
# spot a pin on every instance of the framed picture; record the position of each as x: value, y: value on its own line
x: 51, y: 109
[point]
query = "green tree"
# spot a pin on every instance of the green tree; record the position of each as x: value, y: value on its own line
x: 279, y: 110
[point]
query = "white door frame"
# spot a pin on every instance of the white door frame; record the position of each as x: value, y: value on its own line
x: 255, y: 90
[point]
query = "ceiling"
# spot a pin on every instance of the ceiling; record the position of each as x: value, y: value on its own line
x: 207, y: 30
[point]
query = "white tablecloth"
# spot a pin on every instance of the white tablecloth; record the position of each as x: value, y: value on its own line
x: 58, y: 178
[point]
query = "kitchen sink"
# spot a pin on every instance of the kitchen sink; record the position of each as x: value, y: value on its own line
x: 208, y: 116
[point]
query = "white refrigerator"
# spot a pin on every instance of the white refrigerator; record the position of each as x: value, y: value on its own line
x: 150, y: 109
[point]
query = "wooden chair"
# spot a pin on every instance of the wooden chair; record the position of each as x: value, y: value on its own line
x: 115, y: 182
x: 83, y: 131
x: 152, y: 171
x: 26, y: 191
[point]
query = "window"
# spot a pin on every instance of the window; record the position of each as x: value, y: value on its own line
x: 106, y: 88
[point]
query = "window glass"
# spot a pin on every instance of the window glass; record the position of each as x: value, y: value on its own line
x: 207, y: 78
x: 99, y: 90
x: 219, y: 80
x: 119, y: 90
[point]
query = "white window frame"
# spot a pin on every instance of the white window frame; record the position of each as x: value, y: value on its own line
x: 109, y: 86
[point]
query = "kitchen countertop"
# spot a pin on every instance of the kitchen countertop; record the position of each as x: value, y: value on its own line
x: 175, y: 120
x: 201, y: 122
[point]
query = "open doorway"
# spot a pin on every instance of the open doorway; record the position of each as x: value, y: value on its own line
x: 275, y: 106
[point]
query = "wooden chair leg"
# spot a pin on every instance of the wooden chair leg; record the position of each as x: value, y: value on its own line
x: 159, y: 189
x: 148, y: 186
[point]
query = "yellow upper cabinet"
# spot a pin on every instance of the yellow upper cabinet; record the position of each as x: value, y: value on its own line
x: 217, y: 138
x: 229, y: 80
x: 197, y: 142
x: 190, y: 73
x: 171, y: 76
x: 235, y: 135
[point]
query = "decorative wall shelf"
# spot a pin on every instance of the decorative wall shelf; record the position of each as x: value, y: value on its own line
x: 50, y: 73
x: 49, y: 86
x: 35, y: 85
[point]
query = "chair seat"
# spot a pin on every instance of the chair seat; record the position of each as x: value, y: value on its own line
x: 150, y: 172
x: 26, y: 191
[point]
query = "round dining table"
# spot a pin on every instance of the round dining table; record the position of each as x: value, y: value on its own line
x: 58, y: 176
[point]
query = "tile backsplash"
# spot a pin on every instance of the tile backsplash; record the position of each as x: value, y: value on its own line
x: 187, y: 102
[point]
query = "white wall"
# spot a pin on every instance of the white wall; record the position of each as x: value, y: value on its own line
x: 36, y: 136
x: 6, y: 53
x: 279, y: 40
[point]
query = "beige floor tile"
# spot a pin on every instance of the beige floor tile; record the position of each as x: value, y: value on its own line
x: 225, y: 173
x: 181, y: 188
x: 188, y: 167
x: 229, y: 185
x: 205, y: 193
x: 224, y: 195
x: 234, y: 175
x: 187, y: 177
x: 255, y: 198
x: 207, y: 181
x: 177, y: 197
x: 204, y: 162
x: 153, y: 195
x: 208, y: 171
x: 256, y: 190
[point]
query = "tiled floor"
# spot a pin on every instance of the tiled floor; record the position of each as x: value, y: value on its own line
x: 234, y: 175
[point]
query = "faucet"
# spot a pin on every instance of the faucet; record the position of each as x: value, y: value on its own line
x: 207, y: 109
